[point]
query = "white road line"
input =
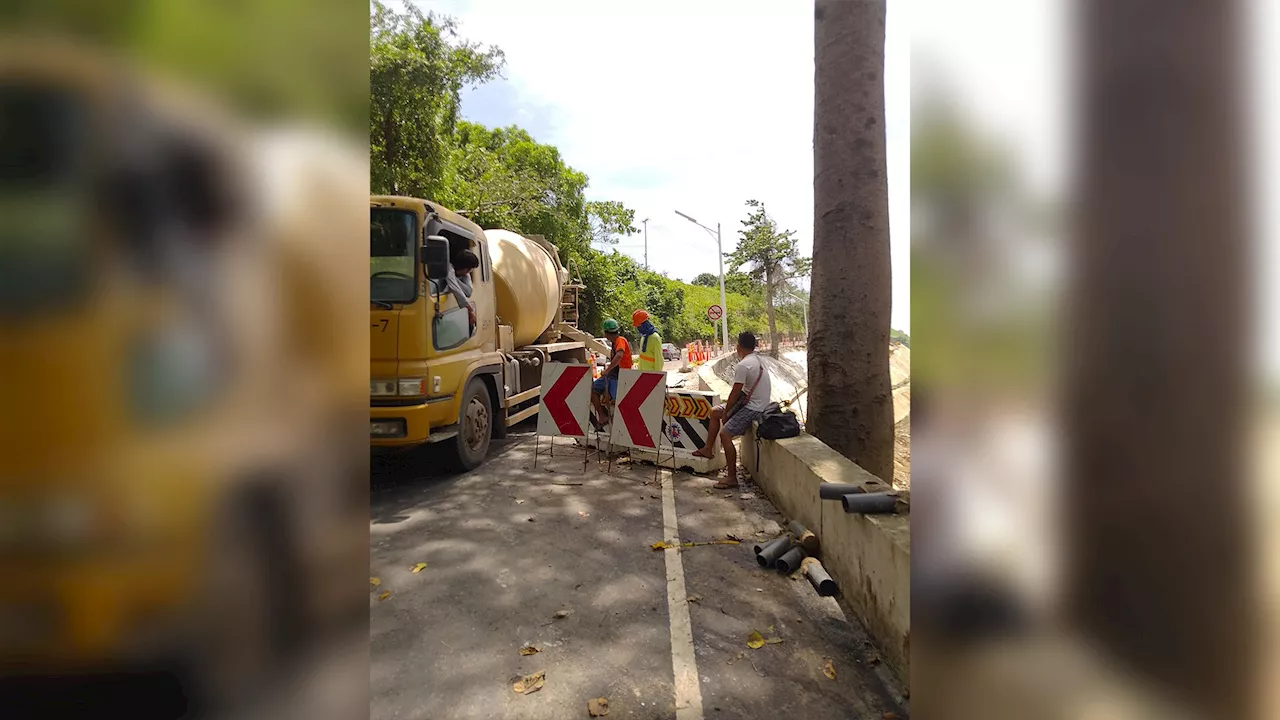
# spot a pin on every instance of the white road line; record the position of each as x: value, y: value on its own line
x: 683, y: 662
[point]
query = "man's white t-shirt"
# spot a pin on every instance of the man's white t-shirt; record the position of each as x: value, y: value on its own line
x: 749, y: 368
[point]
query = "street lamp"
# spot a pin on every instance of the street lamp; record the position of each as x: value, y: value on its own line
x: 724, y: 305
x: 804, y: 304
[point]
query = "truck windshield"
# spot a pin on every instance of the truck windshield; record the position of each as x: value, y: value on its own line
x: 392, y: 255
x: 43, y: 247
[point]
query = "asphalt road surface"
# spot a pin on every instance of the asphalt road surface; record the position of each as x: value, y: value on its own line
x: 558, y: 557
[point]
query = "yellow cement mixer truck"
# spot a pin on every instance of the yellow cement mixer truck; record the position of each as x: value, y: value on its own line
x: 175, y: 322
x: 435, y: 378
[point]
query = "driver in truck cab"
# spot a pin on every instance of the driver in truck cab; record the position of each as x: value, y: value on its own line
x: 459, y: 282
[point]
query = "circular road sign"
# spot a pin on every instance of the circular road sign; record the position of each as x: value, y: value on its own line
x: 714, y: 312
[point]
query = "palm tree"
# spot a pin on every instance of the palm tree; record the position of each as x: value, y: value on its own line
x: 1156, y: 397
x: 850, y: 398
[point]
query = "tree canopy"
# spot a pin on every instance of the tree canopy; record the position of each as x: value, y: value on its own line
x: 770, y: 256
x: 505, y: 178
x: 417, y: 68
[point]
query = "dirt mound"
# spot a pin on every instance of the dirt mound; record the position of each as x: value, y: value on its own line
x: 902, y: 454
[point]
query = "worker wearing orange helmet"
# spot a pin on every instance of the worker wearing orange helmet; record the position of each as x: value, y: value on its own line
x: 650, y: 343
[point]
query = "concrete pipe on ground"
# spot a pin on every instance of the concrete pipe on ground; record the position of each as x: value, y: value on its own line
x: 870, y: 503
x: 789, y: 562
x: 770, y: 553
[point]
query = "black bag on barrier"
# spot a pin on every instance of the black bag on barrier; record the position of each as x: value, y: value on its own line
x: 776, y: 423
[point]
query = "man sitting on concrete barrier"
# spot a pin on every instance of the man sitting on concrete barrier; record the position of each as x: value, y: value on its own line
x: 748, y: 398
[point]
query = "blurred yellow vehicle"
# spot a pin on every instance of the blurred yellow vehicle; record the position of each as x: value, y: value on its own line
x: 178, y: 300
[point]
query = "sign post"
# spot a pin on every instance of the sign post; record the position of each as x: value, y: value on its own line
x: 564, y: 403
x: 638, y: 415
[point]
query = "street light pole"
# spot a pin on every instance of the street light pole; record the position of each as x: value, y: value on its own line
x: 724, y: 304
x: 645, y: 223
x: 804, y: 305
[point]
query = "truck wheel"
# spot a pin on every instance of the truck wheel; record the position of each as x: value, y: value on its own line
x: 475, y: 426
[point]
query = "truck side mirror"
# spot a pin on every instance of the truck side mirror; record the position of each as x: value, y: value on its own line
x: 435, y: 255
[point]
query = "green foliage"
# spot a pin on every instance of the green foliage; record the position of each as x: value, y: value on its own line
x: 504, y: 178
x: 899, y: 336
x: 770, y: 256
x: 417, y: 68
x: 270, y: 59
x: 610, y: 219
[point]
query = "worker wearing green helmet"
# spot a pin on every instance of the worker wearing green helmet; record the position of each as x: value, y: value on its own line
x: 608, y: 380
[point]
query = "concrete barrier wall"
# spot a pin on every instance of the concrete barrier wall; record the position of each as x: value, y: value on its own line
x: 869, y: 556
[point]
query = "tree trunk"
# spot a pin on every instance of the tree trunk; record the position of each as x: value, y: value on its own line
x: 768, y: 309
x: 1157, y: 512
x: 850, y: 400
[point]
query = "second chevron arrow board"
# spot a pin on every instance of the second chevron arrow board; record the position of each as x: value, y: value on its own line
x: 565, y: 401
x: 637, y: 416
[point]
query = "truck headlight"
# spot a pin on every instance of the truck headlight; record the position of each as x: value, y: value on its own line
x: 403, y: 387
x: 411, y: 387
x: 49, y: 523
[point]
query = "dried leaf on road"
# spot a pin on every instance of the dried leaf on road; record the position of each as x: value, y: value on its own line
x: 562, y: 614
x: 733, y: 537
x: 385, y: 594
x: 532, y: 519
x: 598, y: 707
x: 736, y: 658
x: 375, y: 581
x: 419, y: 568
x: 584, y: 514
x: 693, y: 598
x: 829, y: 668
x: 700, y: 543
x: 747, y: 496
x: 519, y: 501
x: 529, y: 683
x: 529, y: 650
x: 773, y: 640
x: 755, y: 640
x: 661, y: 545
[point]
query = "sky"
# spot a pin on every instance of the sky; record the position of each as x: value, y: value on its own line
x: 679, y: 105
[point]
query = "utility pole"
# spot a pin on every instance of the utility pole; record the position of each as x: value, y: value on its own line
x: 724, y: 305
x: 804, y: 304
x: 645, y: 223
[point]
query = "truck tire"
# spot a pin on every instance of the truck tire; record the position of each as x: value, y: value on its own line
x: 475, y: 427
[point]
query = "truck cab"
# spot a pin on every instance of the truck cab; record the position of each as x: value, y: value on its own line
x: 433, y: 377
x: 168, y: 450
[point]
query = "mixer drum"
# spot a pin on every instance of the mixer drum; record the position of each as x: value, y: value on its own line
x: 528, y: 282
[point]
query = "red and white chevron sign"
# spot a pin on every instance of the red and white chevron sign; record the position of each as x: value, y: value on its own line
x: 565, y: 401
x: 637, y: 420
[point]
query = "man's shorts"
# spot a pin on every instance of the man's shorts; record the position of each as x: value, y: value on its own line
x: 738, y: 423
x: 598, y: 385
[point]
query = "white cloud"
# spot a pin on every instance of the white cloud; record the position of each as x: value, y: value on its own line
x: 680, y: 105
